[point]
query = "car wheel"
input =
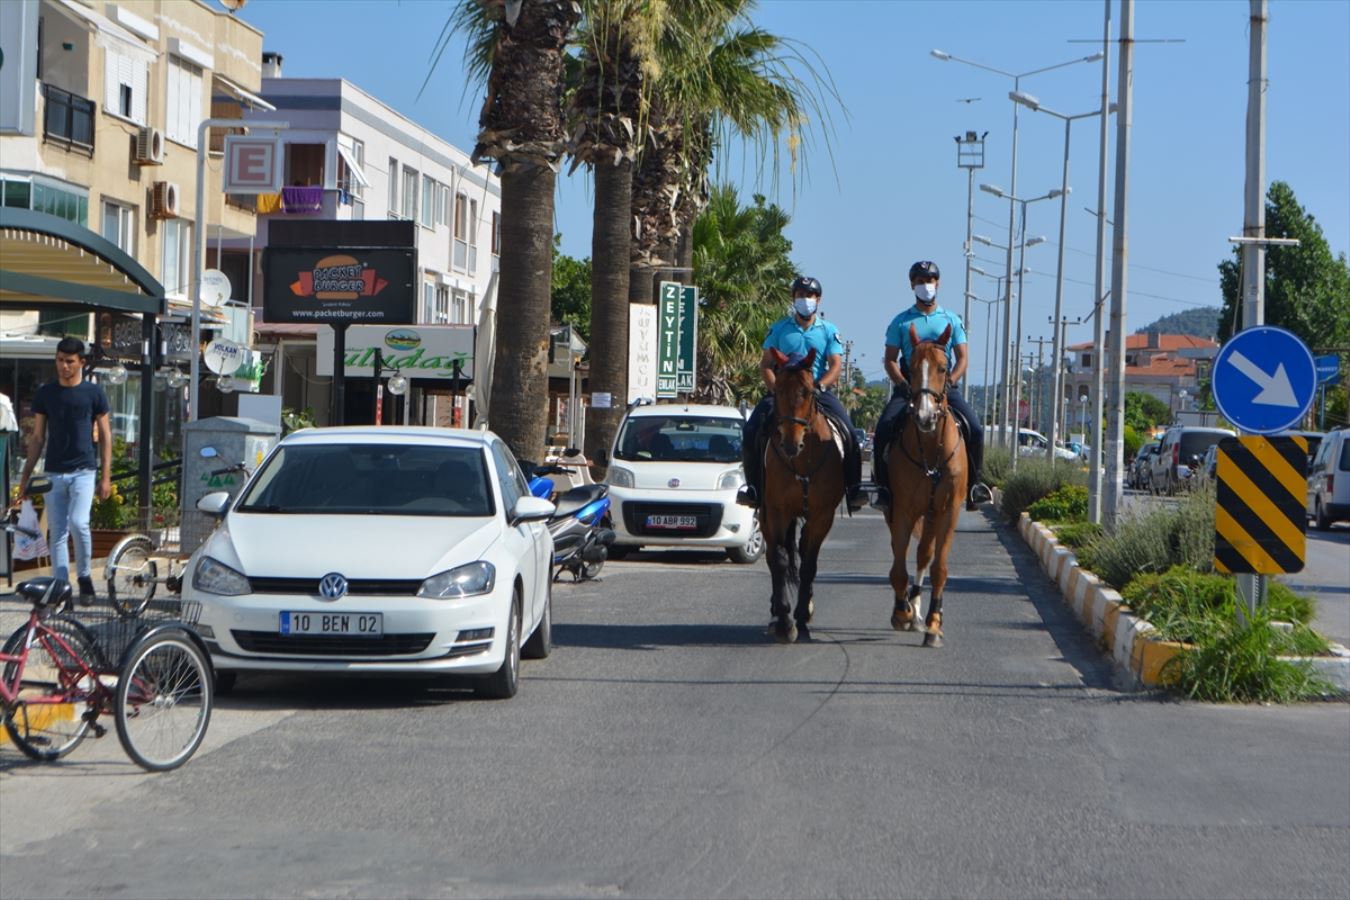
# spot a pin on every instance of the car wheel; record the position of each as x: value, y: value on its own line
x: 1321, y: 521
x: 540, y: 644
x: 503, y: 683
x: 752, y: 551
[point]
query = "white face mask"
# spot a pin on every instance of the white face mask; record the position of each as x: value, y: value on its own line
x: 805, y: 306
x: 926, y: 292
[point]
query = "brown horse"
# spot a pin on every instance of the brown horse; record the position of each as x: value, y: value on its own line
x: 928, y: 485
x: 803, y: 484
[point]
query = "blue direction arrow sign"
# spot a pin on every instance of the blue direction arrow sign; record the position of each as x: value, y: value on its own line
x: 1328, y: 368
x: 1264, y: 380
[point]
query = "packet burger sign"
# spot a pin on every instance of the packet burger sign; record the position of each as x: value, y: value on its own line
x: 350, y: 286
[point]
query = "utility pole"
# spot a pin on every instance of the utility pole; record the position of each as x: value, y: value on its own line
x: 1038, y: 402
x: 846, y: 382
x: 969, y: 156
x: 1058, y: 427
x: 1099, y: 291
x: 1115, y: 439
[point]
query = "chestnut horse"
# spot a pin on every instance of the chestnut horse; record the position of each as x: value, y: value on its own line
x: 928, y: 485
x: 803, y: 485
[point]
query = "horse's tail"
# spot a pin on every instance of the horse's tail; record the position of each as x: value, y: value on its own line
x: 790, y: 550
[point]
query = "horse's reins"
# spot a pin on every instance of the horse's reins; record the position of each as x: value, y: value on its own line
x: 934, y: 473
x: 803, y: 479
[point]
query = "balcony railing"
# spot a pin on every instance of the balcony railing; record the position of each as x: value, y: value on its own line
x: 69, y: 119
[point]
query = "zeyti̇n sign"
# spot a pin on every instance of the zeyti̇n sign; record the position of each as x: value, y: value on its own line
x: 348, y: 285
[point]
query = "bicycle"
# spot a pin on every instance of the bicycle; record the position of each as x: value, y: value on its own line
x: 132, y: 570
x: 58, y: 680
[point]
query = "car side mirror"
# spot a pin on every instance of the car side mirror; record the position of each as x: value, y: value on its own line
x: 602, y: 458
x: 215, y: 504
x: 531, y: 509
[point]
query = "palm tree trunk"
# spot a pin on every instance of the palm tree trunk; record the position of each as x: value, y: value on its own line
x: 610, y: 257
x: 520, y: 372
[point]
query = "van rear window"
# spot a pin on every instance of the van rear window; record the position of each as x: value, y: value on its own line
x: 1345, y: 456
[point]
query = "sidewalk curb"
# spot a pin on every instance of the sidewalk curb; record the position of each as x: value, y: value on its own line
x: 1129, y: 640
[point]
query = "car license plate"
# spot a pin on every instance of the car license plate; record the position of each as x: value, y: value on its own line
x: 345, y: 624
x: 673, y: 522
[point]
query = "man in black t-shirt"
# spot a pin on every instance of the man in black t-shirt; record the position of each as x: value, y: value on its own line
x: 66, y: 412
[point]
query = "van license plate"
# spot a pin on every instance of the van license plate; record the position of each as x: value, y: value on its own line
x: 672, y: 522
x: 345, y: 624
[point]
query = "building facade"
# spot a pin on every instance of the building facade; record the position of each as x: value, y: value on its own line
x: 348, y: 156
x: 100, y: 104
x: 1169, y: 367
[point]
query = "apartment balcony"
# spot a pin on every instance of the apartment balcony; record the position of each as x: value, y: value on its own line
x: 302, y: 200
x: 68, y: 119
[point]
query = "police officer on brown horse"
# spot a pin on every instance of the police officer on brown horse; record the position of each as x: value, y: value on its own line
x: 929, y: 320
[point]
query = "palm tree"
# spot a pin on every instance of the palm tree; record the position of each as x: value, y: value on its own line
x: 516, y: 48
x: 606, y: 115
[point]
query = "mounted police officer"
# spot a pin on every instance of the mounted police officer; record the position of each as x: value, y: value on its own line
x: 797, y: 334
x: 929, y: 321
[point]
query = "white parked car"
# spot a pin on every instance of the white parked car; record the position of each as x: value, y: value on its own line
x: 674, y: 471
x: 1329, y: 480
x: 379, y: 550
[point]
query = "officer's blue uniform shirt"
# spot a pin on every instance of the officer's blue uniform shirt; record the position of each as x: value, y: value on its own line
x: 787, y: 336
x: 929, y: 327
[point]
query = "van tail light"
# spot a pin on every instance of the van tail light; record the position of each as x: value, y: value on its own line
x: 1331, y: 484
x: 1176, y: 455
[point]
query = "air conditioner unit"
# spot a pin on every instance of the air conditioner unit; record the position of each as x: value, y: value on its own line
x: 149, y: 146
x: 164, y: 200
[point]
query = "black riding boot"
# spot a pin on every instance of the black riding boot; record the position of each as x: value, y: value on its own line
x: 977, y: 492
x: 881, y: 478
x: 752, y: 459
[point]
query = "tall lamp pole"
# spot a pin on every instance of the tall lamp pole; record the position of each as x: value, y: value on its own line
x: 1024, y: 99
x: 1017, y: 85
x: 988, y: 315
x: 969, y: 156
x: 1007, y: 361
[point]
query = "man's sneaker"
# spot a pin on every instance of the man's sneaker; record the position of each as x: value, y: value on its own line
x: 882, y: 500
x: 87, y: 595
x: 747, y: 496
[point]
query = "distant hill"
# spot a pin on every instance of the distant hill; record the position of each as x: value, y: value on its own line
x: 1195, y: 322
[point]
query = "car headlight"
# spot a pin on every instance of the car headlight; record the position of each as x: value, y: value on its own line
x: 462, y: 581
x: 731, y: 479
x: 620, y: 477
x: 213, y: 577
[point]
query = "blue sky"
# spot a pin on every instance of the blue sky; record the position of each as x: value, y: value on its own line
x: 887, y: 191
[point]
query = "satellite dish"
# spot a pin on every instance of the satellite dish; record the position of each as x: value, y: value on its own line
x: 233, y: 5
x: 224, y: 357
x: 215, y: 288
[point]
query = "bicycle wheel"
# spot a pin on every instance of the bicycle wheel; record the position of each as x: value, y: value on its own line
x: 164, y: 695
x: 130, y: 574
x: 53, y: 711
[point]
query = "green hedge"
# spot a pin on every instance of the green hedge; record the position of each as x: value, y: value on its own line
x: 1156, y: 541
x: 1068, y: 504
x: 1034, y: 479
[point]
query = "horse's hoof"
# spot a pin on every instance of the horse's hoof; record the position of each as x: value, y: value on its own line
x: 902, y: 623
x: 803, y: 633
x: 783, y: 631
x: 932, y: 639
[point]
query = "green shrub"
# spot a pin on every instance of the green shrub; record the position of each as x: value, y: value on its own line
x: 1157, y: 541
x: 1182, y: 604
x: 997, y: 466
x: 1236, y: 663
x: 1078, y: 535
x: 1133, y: 441
x: 1068, y: 504
x: 1034, y: 479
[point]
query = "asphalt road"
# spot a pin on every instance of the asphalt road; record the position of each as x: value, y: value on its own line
x: 669, y: 749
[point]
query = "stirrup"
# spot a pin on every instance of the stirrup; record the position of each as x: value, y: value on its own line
x: 980, y: 493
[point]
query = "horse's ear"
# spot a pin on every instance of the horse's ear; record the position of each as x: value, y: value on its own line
x: 913, y: 335
x: 779, y: 357
x: 946, y: 335
x: 809, y: 359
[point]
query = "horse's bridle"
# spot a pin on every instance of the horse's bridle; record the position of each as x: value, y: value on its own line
x: 790, y: 462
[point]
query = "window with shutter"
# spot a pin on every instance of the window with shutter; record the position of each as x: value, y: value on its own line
x: 125, y: 84
x: 184, y: 104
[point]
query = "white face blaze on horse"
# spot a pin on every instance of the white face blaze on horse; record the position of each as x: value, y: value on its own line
x: 927, y: 401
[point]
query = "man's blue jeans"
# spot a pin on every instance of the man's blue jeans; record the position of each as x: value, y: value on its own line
x: 68, y: 505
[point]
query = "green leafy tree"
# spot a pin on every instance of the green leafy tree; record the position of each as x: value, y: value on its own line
x: 868, y: 406
x: 1307, y: 288
x: 742, y: 267
x: 1144, y: 411
x: 571, y: 290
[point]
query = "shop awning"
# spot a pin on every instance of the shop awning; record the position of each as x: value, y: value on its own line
x: 48, y: 261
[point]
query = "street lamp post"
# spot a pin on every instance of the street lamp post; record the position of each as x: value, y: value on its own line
x: 988, y: 315
x: 1017, y: 85
x: 969, y: 156
x: 1008, y: 361
x: 1024, y: 99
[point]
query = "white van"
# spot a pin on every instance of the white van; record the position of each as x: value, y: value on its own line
x: 1329, y: 480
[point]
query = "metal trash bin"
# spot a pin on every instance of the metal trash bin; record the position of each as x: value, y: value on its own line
x: 234, y: 440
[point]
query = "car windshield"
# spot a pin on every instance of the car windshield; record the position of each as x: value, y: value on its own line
x: 1195, y: 443
x: 372, y: 479
x: 680, y: 438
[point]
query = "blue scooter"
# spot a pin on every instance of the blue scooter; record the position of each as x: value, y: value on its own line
x: 580, y: 537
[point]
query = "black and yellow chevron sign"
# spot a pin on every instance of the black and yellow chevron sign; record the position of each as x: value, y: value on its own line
x: 1260, y: 520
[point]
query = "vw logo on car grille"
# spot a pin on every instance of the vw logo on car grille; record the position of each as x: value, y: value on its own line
x: 674, y: 482
x: 332, y: 586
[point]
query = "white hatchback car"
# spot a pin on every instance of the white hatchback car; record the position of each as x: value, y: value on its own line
x: 379, y: 550
x: 673, y: 475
